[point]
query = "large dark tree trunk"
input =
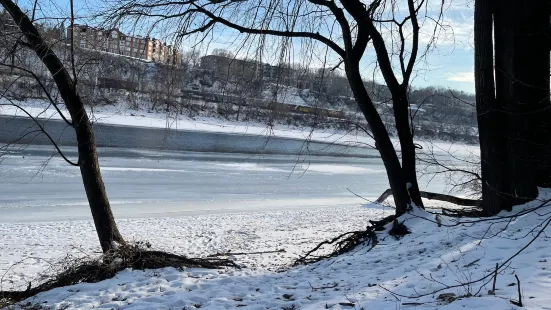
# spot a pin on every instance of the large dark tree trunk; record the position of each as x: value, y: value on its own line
x: 490, y: 121
x: 523, y: 27
x: 104, y: 221
x: 383, y: 143
x: 514, y: 121
x: 506, y: 24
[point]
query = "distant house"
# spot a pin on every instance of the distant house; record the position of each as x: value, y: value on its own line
x: 7, y: 24
x: 115, y: 41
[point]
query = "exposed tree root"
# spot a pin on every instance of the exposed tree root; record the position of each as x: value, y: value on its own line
x: 108, y: 265
x: 436, y: 196
x: 470, y: 212
x: 348, y: 241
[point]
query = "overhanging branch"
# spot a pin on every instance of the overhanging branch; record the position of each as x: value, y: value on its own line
x: 290, y: 34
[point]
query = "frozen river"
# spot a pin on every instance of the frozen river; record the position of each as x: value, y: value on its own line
x: 147, y: 184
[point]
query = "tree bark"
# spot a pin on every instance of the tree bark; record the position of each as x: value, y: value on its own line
x: 514, y: 124
x: 104, y: 221
x: 523, y: 28
x: 400, y: 104
x: 383, y: 143
x: 490, y: 121
x: 401, y: 115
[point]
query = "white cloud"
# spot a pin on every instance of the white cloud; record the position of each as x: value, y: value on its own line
x: 467, y: 77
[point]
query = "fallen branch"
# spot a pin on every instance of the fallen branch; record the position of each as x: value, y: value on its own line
x: 246, y: 253
x: 348, y: 241
x: 108, y: 265
x: 472, y: 263
x: 437, y: 196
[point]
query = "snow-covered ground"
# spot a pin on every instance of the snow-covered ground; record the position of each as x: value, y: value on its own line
x: 36, y: 245
x: 421, y: 264
x: 268, y: 204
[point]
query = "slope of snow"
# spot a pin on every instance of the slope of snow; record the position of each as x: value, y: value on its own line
x: 419, y: 266
x: 285, y: 95
x: 121, y: 114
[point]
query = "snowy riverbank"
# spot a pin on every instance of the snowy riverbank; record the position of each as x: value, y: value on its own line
x: 121, y: 114
x: 420, y: 264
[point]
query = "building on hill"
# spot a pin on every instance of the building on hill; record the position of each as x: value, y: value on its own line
x: 10, y: 29
x: 240, y: 69
x: 246, y: 70
x: 116, y: 42
x: 7, y: 24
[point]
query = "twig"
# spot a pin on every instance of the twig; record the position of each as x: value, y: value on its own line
x: 544, y: 226
x: 495, y: 279
x: 472, y: 263
x: 246, y: 253
x: 346, y: 242
x: 323, y: 287
x: 519, y: 302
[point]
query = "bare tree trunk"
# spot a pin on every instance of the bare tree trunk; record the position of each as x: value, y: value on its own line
x: 522, y: 32
x: 382, y: 139
x: 401, y: 115
x: 514, y: 124
x: 104, y: 221
x: 490, y: 122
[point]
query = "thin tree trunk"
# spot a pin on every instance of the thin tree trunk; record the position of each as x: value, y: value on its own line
x: 401, y: 115
x: 104, y: 221
x: 382, y: 139
x: 490, y: 122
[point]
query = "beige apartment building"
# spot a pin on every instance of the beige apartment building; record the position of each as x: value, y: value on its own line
x: 116, y: 42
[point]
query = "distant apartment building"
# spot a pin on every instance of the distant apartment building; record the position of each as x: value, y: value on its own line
x: 116, y: 42
x: 10, y: 30
x: 7, y: 25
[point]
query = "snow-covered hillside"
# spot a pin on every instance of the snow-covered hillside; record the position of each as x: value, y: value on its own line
x: 456, y: 258
x: 122, y: 114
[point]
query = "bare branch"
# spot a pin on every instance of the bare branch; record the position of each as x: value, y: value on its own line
x: 54, y: 143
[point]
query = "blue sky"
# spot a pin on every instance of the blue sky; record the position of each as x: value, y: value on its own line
x: 449, y: 64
